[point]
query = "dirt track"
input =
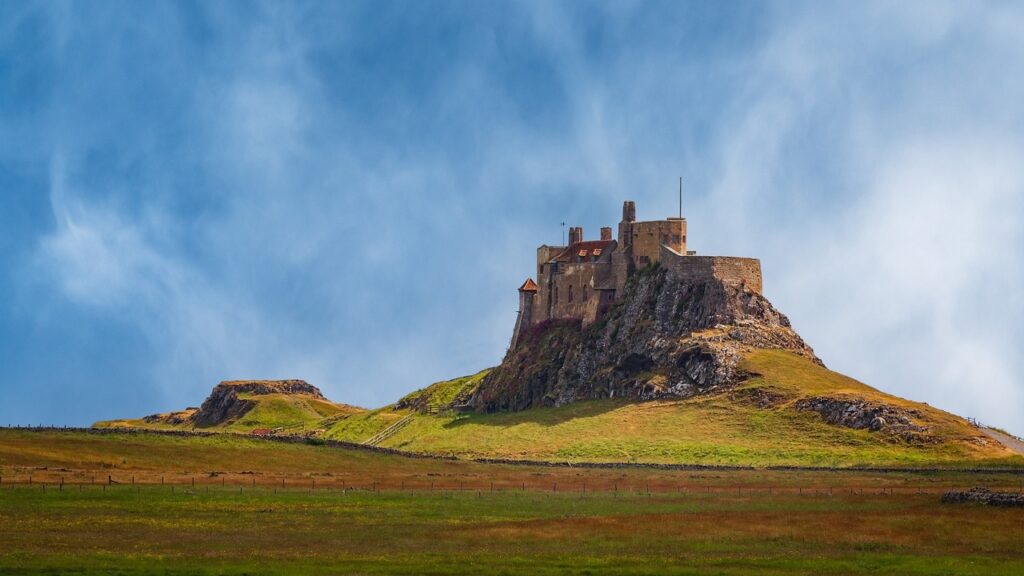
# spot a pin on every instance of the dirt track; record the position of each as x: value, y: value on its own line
x: 1011, y: 442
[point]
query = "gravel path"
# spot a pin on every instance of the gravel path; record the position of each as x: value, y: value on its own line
x: 1010, y: 442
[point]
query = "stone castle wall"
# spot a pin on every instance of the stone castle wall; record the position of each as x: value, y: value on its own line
x: 730, y: 270
x: 575, y: 291
x: 648, y: 238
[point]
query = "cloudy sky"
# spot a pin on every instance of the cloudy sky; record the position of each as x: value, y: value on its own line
x: 350, y: 193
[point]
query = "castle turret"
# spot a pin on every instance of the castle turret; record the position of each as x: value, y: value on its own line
x: 525, y: 317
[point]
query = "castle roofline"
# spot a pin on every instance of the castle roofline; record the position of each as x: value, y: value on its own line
x: 528, y: 286
x: 589, y: 246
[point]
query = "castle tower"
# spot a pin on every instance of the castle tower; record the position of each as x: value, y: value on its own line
x: 525, y: 317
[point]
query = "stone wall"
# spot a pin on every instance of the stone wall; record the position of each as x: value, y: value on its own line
x: 648, y: 237
x: 582, y: 281
x: 734, y: 271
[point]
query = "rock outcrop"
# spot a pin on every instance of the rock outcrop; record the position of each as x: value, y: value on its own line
x: 224, y: 404
x: 666, y: 337
x: 980, y: 495
x: 860, y: 414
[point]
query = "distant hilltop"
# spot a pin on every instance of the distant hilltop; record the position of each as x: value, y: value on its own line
x: 584, y: 279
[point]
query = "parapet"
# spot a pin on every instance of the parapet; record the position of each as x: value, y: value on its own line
x: 727, y: 269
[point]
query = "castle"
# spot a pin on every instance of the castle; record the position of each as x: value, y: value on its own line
x: 581, y: 281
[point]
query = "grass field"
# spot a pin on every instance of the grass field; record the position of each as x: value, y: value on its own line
x: 374, y: 513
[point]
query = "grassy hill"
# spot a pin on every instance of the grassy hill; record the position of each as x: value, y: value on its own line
x: 290, y: 411
x: 762, y: 422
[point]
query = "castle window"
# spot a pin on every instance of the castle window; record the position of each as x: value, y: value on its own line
x: 570, y: 293
x: 675, y: 239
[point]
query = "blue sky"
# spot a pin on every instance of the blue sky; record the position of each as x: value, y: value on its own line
x: 350, y: 193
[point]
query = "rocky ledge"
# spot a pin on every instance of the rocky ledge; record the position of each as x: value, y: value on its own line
x: 863, y: 415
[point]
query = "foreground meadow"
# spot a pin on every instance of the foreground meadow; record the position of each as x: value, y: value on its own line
x: 143, y: 503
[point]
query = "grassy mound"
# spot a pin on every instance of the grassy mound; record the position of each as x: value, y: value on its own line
x: 291, y: 412
x: 757, y: 424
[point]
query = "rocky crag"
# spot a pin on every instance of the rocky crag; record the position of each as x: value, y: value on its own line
x: 665, y: 338
x: 226, y: 402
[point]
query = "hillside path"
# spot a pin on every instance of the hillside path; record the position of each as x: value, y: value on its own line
x: 1015, y: 444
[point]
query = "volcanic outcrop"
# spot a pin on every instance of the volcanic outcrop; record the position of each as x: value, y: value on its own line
x: 224, y: 404
x: 665, y: 337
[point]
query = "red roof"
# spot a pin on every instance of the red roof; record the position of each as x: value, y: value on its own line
x: 528, y: 286
x: 584, y: 250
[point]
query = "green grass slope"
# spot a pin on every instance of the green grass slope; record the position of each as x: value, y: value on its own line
x: 732, y: 427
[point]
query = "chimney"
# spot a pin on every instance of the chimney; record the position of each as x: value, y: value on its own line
x: 575, y: 235
x: 606, y: 233
x: 629, y: 211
